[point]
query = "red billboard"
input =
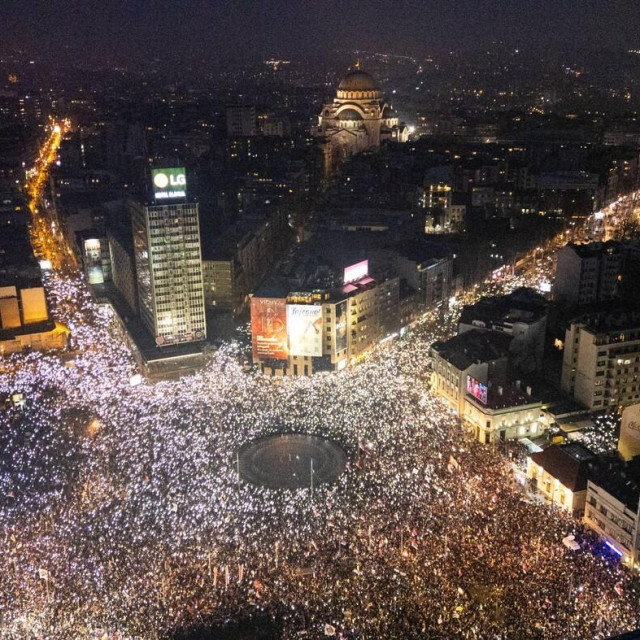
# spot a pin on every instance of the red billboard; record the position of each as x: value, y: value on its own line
x: 269, y: 328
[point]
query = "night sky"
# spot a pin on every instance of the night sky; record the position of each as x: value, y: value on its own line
x: 117, y: 30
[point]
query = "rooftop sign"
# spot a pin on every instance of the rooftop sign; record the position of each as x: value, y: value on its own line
x: 169, y: 183
x: 356, y: 271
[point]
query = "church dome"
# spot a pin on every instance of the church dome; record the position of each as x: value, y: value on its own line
x: 349, y: 114
x: 358, y: 81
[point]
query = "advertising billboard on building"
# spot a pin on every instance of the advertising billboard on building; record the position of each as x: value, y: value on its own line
x: 629, y: 442
x: 169, y: 183
x: 269, y: 328
x: 356, y: 271
x: 340, y: 340
x: 34, y: 305
x: 477, y: 389
x: 304, y: 329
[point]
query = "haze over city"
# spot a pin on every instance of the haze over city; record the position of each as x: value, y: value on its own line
x: 129, y: 32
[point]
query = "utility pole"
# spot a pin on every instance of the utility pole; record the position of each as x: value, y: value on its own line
x: 311, y: 476
x: 635, y: 543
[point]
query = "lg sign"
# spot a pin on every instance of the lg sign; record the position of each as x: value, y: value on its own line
x: 162, y: 180
x: 169, y: 183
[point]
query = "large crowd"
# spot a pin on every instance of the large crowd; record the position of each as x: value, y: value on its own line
x: 122, y: 514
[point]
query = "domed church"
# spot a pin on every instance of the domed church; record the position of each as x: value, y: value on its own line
x: 357, y: 120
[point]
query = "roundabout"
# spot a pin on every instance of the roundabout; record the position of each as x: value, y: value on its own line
x: 288, y: 460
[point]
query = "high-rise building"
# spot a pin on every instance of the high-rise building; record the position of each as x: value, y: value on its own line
x: 242, y: 121
x: 593, y: 272
x: 600, y: 366
x: 166, y: 243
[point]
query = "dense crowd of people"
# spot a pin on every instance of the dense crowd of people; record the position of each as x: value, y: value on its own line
x: 123, y: 516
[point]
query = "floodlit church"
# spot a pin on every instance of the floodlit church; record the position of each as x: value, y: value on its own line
x: 358, y: 119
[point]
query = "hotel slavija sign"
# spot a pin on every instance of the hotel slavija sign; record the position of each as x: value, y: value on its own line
x: 169, y: 183
x: 629, y: 443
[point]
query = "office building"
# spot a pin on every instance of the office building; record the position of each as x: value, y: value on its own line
x: 613, y: 510
x: 123, y: 267
x: 302, y: 333
x: 242, y: 121
x: 593, y: 272
x: 166, y: 243
x: 601, y: 360
x: 432, y: 278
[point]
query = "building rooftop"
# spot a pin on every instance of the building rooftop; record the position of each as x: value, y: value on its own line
x: 595, y: 249
x: 632, y: 635
x: 523, y: 305
x: 320, y: 262
x: 18, y: 265
x: 621, y: 480
x: 224, y: 247
x: 503, y: 397
x: 473, y: 346
x: 621, y: 318
x: 424, y: 251
x: 358, y: 81
x: 568, y: 463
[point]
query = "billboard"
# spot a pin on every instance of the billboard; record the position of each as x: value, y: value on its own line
x: 269, y: 328
x: 356, y: 271
x: 34, y: 305
x: 10, y: 313
x: 477, y: 389
x: 304, y: 329
x: 340, y: 341
x: 629, y: 442
x: 169, y: 183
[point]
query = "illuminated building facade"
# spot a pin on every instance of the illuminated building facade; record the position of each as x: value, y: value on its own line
x: 601, y: 359
x: 481, y: 356
x: 358, y: 119
x: 613, y: 510
x: 559, y: 474
x: 507, y: 413
x: 24, y: 313
x: 166, y: 243
x: 308, y: 332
